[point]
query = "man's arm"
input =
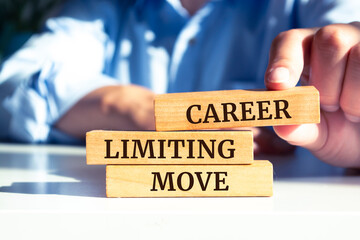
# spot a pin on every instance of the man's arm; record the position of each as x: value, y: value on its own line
x: 128, y: 107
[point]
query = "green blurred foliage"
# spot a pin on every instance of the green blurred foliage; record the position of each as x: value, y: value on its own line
x: 19, y: 19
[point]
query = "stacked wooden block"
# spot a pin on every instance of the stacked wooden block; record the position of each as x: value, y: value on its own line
x: 175, y: 163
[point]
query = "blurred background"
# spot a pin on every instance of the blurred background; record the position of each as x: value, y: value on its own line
x: 19, y: 19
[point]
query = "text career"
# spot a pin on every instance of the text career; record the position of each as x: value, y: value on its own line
x: 243, y: 111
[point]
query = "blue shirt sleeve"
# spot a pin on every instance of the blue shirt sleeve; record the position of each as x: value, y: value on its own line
x: 55, y: 69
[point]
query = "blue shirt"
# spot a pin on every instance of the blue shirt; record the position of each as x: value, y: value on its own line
x: 153, y: 43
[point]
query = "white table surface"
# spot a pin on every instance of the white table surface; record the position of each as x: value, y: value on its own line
x: 48, y: 192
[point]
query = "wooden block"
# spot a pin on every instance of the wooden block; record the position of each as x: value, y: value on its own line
x: 236, y: 108
x: 200, y: 147
x: 189, y: 181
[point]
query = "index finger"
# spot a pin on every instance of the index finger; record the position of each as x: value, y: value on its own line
x: 289, y: 53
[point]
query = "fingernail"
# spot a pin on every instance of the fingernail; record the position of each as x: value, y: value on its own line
x: 352, y: 118
x: 279, y: 75
x: 330, y: 108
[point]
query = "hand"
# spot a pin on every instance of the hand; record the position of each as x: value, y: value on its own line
x: 129, y: 107
x: 329, y: 59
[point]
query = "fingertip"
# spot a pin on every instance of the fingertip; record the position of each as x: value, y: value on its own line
x: 278, y: 75
x: 278, y: 78
x: 330, y: 108
x: 352, y: 118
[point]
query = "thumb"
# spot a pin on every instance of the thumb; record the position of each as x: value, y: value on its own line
x: 310, y: 136
x: 289, y: 53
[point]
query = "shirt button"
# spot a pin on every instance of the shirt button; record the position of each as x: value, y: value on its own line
x: 192, y: 41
